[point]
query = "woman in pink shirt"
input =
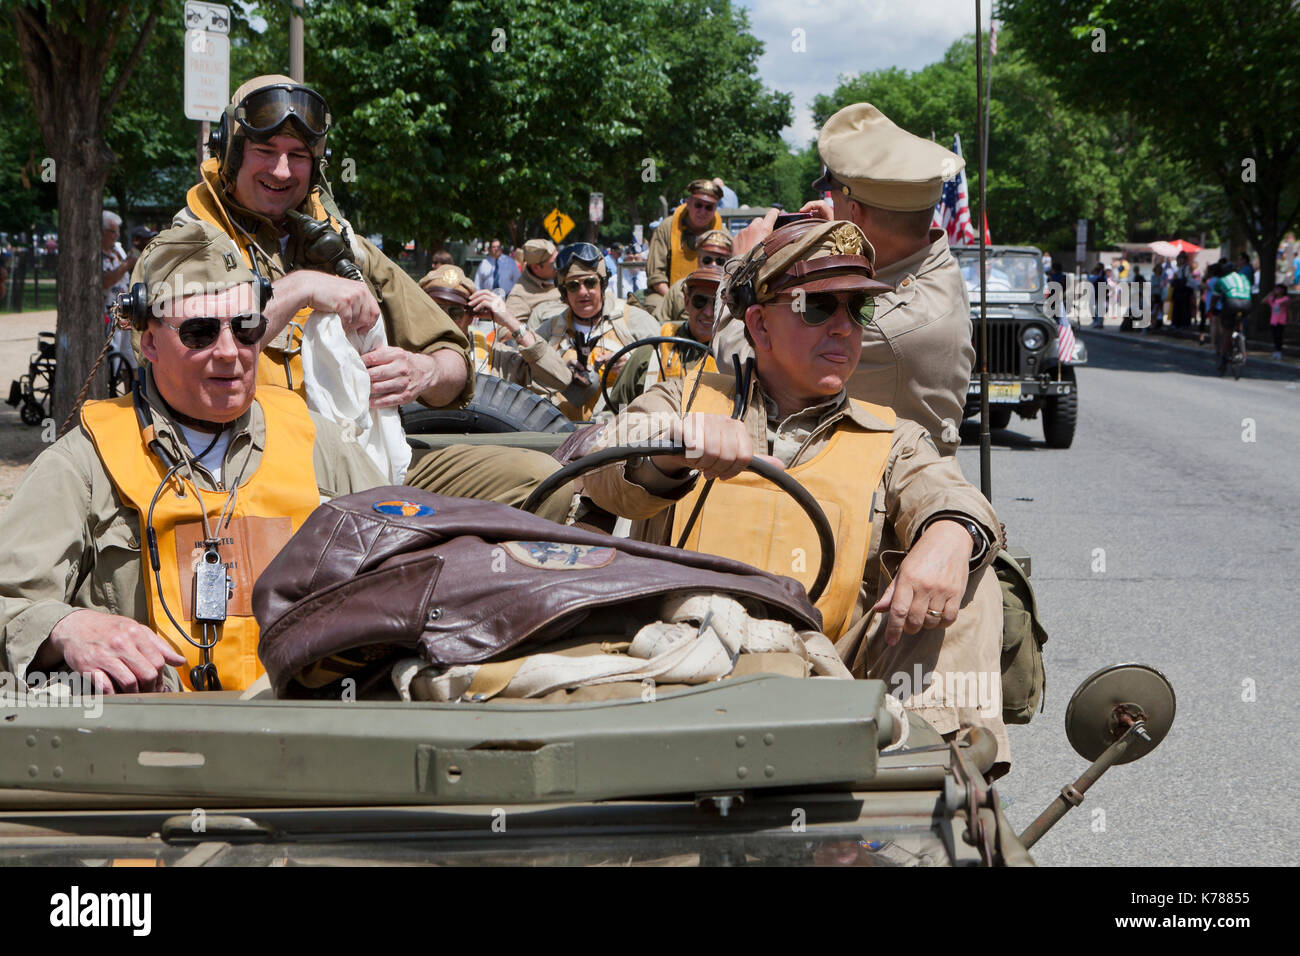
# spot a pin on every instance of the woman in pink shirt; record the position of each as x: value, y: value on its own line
x: 1277, y: 304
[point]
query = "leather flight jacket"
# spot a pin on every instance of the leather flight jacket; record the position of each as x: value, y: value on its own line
x: 394, y: 570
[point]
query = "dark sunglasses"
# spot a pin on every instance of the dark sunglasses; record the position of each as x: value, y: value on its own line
x: 708, y: 260
x: 201, y: 332
x: 700, y: 301
x: 710, y: 206
x: 819, y: 307
x: 582, y: 251
x: 587, y: 282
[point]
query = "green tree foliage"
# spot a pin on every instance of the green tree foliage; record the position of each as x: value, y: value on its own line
x: 1050, y: 163
x: 1214, y: 83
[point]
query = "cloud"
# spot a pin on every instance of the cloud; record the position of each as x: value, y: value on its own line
x: 842, y: 38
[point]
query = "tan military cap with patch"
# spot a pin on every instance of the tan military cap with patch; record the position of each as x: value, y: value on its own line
x: 813, y: 255
x: 706, y: 186
x: 537, y: 251
x: 715, y: 239
x: 706, y: 280
x: 448, y: 284
x: 191, y: 259
x: 869, y: 159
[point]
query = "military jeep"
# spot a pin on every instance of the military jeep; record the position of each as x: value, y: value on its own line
x: 1026, y: 372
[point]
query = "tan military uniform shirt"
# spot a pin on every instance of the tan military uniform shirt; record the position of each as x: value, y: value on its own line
x: 659, y: 254
x: 918, y: 486
x: 530, y: 292
x: 68, y: 542
x: 673, y: 306
x: 917, y: 355
x: 412, y: 320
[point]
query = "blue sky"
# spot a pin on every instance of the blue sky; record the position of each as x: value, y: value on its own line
x: 843, y: 37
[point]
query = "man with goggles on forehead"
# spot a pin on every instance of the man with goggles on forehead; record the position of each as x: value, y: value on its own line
x: 201, y: 454
x: 674, y: 252
x: 268, y: 158
x: 564, y: 356
x: 714, y: 251
x: 913, y: 537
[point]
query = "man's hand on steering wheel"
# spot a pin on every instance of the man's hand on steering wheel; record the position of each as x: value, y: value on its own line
x: 716, y: 447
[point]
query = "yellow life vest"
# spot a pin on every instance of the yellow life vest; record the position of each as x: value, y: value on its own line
x: 681, y: 261
x: 674, y: 360
x: 281, y: 367
x: 271, y: 505
x: 749, y: 519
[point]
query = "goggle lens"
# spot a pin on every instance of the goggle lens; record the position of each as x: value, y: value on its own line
x: 264, y: 111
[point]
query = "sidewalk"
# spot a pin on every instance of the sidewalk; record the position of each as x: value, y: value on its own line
x: 1185, y: 340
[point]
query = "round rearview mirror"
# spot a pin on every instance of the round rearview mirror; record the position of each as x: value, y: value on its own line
x: 1108, y: 702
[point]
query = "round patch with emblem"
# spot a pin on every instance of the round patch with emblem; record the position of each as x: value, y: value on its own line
x: 404, y: 509
x: 558, y: 556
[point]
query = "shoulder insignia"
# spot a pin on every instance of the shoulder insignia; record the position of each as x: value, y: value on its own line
x: 404, y: 509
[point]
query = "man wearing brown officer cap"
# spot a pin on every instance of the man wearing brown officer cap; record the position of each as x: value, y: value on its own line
x: 913, y: 538
x: 714, y: 251
x: 674, y: 252
x: 917, y: 355
x: 536, y: 285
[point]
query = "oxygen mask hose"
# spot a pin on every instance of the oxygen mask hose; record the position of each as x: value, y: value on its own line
x: 321, y: 247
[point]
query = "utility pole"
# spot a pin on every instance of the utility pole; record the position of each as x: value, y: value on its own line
x: 295, y: 44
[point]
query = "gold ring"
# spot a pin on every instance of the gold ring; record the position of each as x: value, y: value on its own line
x: 933, y: 614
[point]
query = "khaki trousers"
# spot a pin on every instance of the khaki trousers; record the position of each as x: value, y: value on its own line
x: 491, y: 473
x: 950, y: 676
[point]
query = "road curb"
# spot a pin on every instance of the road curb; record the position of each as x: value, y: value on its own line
x: 1137, y: 338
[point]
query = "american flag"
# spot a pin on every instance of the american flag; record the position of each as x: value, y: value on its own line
x: 1064, y: 338
x: 952, y: 214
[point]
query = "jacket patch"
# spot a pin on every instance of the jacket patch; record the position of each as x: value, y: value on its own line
x: 557, y: 556
x: 404, y: 509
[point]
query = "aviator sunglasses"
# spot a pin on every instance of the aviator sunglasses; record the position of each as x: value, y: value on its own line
x: 201, y: 332
x: 819, y: 307
x: 709, y: 259
x: 699, y: 301
x: 587, y: 282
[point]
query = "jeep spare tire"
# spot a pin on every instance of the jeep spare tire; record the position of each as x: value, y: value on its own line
x: 497, y: 406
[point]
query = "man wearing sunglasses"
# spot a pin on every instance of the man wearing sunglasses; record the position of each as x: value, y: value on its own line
x: 77, y: 590
x: 917, y: 355
x: 674, y: 252
x: 715, y: 250
x: 268, y: 158
x: 564, y: 356
x: 699, y: 291
x: 913, y: 537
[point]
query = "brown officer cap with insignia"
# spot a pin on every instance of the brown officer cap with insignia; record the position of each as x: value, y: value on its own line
x: 707, y: 186
x: 448, y: 284
x: 715, y: 239
x: 705, y: 280
x: 870, y: 159
x: 813, y: 255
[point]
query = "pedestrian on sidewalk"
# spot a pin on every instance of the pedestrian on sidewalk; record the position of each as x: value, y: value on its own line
x: 1278, y: 301
x: 1098, y: 282
x: 1183, y: 294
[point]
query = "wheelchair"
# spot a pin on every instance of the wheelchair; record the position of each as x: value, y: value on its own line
x: 33, y: 391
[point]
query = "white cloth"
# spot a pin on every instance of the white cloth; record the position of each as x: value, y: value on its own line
x: 338, y: 387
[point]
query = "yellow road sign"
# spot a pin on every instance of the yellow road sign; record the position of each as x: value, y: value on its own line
x: 557, y: 224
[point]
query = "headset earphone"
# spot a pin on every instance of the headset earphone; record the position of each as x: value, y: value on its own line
x: 134, y: 305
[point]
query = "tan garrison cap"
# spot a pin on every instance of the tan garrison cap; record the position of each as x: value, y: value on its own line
x: 871, y: 160
x: 448, y: 284
x: 813, y: 255
x: 537, y: 251
x: 715, y: 239
x: 191, y: 259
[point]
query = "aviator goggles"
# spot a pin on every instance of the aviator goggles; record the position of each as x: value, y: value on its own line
x: 582, y: 251
x: 820, y: 307
x: 265, y: 110
x: 201, y: 332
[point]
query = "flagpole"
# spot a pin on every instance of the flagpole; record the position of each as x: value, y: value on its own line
x: 986, y: 439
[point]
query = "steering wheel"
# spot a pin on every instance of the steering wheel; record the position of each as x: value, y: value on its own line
x: 649, y: 340
x: 778, y: 477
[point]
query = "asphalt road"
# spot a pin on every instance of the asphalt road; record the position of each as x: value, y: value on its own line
x: 1187, y: 487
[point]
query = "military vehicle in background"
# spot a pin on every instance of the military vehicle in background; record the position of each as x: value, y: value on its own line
x: 1027, y: 375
